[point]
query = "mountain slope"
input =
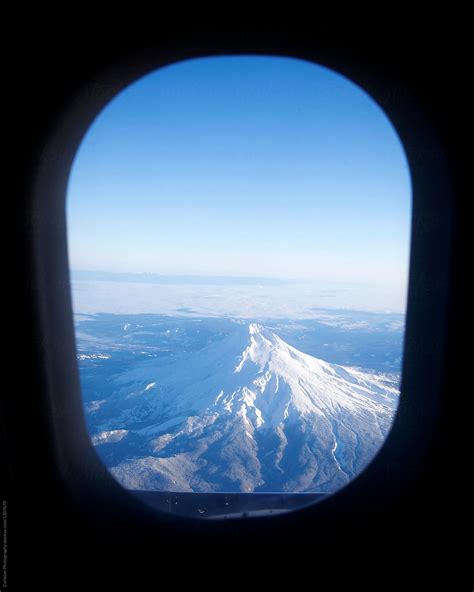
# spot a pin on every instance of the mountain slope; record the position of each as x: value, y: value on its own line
x: 250, y: 413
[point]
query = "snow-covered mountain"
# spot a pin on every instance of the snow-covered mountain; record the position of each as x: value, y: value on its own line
x: 248, y: 413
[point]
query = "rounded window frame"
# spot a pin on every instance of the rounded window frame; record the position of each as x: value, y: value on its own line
x: 413, y: 428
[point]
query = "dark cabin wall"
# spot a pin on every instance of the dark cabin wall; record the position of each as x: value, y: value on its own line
x: 59, y: 538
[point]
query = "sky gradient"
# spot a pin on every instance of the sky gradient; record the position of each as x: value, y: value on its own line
x: 243, y: 166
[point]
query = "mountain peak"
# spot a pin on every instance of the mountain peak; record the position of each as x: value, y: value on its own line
x: 257, y: 328
x: 284, y: 419
x: 258, y: 331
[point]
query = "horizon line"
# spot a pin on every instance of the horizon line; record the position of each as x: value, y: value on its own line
x: 107, y: 275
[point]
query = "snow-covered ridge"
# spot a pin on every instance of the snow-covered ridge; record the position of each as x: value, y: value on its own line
x: 248, y: 413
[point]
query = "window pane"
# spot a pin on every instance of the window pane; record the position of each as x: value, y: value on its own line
x: 239, y: 241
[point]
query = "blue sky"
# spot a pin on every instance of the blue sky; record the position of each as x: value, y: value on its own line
x: 243, y: 166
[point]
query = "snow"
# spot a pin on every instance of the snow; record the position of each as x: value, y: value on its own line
x: 270, y: 377
x: 93, y: 357
x: 251, y: 384
x: 93, y: 406
x: 110, y: 436
x: 161, y: 427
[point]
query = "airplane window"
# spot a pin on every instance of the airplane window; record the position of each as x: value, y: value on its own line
x: 238, y: 234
